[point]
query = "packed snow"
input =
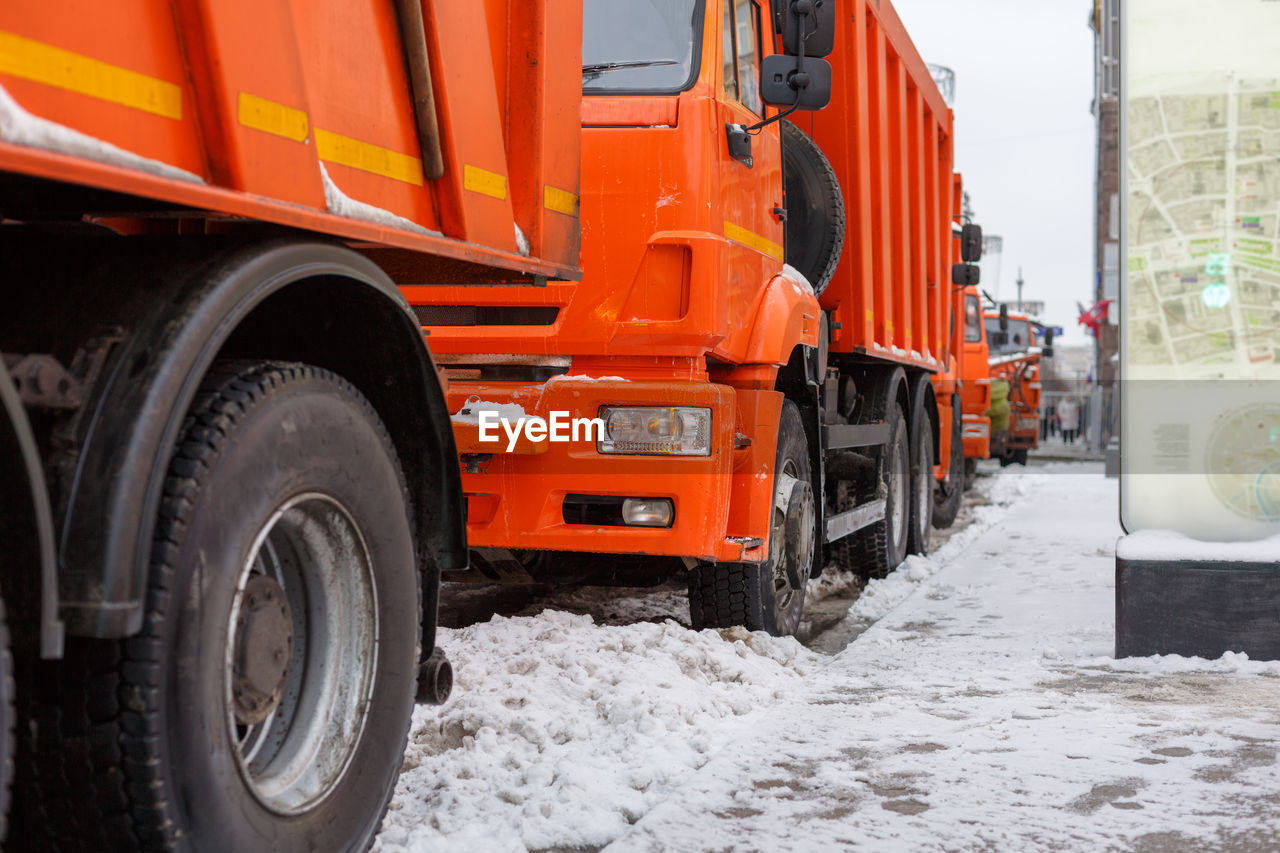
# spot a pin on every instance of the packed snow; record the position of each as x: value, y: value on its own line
x: 563, y: 732
x: 341, y: 204
x: 797, y: 279
x: 980, y: 709
x: 22, y: 128
x: 471, y: 409
x: 1171, y: 545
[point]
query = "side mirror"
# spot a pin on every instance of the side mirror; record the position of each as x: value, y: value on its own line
x: 784, y: 84
x: 971, y: 244
x: 1004, y: 318
x: 811, y: 22
x: 965, y: 275
x: 1047, y: 350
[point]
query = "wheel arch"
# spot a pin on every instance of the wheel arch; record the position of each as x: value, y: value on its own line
x: 786, y: 318
x: 173, y: 306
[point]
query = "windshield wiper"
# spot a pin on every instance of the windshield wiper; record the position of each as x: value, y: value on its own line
x: 601, y: 67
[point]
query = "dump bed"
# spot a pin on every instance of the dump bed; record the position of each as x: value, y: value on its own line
x: 887, y: 133
x: 446, y: 128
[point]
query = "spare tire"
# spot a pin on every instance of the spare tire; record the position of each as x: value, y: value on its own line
x: 815, y: 208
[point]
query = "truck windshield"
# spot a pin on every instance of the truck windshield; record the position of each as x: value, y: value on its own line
x: 640, y: 46
x: 1019, y: 336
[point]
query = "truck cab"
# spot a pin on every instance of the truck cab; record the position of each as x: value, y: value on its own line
x: 682, y: 251
x: 761, y: 384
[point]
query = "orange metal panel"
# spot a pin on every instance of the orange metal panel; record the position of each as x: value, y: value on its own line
x: 475, y: 199
x: 251, y: 97
x: 112, y: 71
x: 60, y: 167
x: 361, y: 108
x: 542, y: 125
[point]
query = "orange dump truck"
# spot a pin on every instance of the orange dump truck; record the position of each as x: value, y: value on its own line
x: 229, y: 477
x: 742, y: 417
x: 1015, y: 375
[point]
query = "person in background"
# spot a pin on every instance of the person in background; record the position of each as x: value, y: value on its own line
x: 1069, y: 414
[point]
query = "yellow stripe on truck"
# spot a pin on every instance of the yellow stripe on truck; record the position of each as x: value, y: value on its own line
x: 367, y: 157
x: 483, y: 181
x: 53, y: 66
x: 270, y: 117
x: 738, y: 234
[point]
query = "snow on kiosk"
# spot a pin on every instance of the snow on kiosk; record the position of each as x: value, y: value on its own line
x: 768, y: 281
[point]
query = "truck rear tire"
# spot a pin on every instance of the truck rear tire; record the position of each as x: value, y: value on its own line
x: 815, y: 208
x: 267, y: 699
x: 922, y: 481
x: 7, y: 715
x: 877, y: 549
x: 948, y: 493
x: 767, y: 596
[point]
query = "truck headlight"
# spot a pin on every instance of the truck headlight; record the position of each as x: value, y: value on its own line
x: 656, y: 430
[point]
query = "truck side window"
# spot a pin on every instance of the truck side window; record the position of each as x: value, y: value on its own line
x: 729, y: 53
x: 972, y: 320
x: 748, y: 15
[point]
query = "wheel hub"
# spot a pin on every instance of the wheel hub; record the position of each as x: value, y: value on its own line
x: 801, y: 516
x: 793, y: 548
x: 263, y: 649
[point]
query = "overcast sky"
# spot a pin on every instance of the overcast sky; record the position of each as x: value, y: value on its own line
x: 1024, y: 135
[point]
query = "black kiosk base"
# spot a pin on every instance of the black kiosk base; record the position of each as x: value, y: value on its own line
x: 1197, y: 608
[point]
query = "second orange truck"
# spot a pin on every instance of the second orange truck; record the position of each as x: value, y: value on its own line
x: 750, y: 419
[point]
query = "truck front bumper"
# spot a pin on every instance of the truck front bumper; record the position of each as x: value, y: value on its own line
x: 531, y: 496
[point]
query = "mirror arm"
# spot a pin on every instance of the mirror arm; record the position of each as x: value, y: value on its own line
x: 760, y: 125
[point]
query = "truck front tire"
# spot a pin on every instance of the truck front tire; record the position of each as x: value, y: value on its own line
x: 266, y: 702
x: 6, y: 721
x: 767, y: 596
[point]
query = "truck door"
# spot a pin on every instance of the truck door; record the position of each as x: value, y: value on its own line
x: 749, y: 193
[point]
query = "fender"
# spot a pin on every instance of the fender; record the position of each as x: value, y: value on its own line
x: 787, y: 316
x: 27, y: 522
x: 178, y: 304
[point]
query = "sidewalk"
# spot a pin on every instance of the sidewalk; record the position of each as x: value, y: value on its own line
x: 1055, y: 449
x: 984, y: 712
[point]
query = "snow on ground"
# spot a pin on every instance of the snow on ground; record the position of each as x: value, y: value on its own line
x: 982, y: 710
x: 563, y: 732
x: 985, y: 712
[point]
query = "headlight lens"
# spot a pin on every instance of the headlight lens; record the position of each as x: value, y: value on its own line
x: 656, y: 430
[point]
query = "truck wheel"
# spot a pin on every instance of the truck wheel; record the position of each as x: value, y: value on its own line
x: 6, y: 721
x: 266, y: 701
x: 768, y: 596
x: 877, y: 549
x: 922, y: 481
x: 1020, y: 456
x: 948, y: 493
x: 815, y: 208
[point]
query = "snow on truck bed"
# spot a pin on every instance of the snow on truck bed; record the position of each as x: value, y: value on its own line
x: 981, y: 711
